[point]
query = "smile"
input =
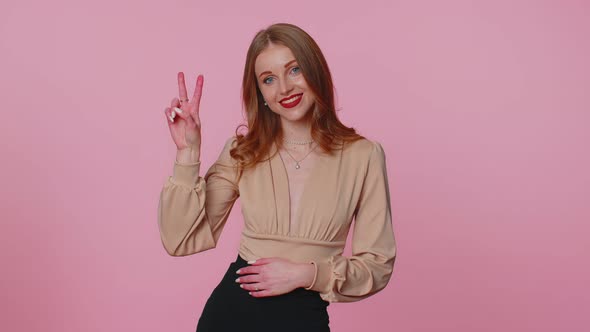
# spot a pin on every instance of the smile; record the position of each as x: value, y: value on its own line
x: 291, y: 102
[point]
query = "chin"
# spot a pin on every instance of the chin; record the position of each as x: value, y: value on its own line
x: 297, y: 115
x: 294, y: 118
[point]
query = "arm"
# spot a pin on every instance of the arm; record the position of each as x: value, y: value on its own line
x: 349, y: 279
x: 193, y: 210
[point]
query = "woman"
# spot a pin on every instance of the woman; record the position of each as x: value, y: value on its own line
x: 301, y: 175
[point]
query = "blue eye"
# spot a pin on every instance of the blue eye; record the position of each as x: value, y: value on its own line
x: 265, y: 81
x: 296, y: 69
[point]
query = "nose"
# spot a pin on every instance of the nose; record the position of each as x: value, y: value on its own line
x: 286, y: 86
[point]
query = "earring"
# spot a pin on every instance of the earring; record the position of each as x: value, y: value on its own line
x: 265, y: 104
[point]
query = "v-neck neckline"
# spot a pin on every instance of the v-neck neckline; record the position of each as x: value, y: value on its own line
x: 286, y: 188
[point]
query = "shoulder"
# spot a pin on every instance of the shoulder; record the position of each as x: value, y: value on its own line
x: 230, y: 143
x: 364, y: 149
x: 225, y: 155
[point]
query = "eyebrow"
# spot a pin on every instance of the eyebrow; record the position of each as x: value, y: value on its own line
x: 286, y: 65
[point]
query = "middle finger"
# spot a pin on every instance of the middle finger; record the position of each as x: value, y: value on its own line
x: 249, y: 278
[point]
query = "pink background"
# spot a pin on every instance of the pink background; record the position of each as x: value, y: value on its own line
x: 482, y: 108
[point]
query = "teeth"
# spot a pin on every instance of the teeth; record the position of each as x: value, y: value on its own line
x: 291, y: 100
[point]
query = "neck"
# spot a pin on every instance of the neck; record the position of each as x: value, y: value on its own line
x: 296, y: 131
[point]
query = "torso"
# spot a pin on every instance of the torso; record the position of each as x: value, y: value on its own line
x: 297, y: 177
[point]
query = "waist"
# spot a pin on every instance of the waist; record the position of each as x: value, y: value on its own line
x: 301, y: 250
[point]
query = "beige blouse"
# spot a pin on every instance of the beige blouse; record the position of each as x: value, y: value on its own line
x: 351, y: 183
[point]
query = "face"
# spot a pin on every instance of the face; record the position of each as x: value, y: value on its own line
x: 282, y: 84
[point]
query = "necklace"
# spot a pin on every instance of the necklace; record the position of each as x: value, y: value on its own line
x: 298, y: 142
x: 297, y: 166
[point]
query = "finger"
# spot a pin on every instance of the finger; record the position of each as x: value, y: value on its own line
x: 181, y: 86
x: 262, y: 293
x: 175, y: 103
x: 176, y: 110
x: 260, y: 261
x: 168, y: 114
x: 183, y: 114
x: 198, y: 92
x: 249, y: 278
x: 253, y: 287
x: 179, y: 112
x: 248, y: 270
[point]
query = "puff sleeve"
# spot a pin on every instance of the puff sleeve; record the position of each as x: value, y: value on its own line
x: 369, y: 269
x: 192, y: 210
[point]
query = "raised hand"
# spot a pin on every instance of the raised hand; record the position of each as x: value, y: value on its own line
x: 183, y: 117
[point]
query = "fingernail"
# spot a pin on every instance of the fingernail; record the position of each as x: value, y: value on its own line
x: 177, y: 109
x: 252, y: 262
x: 238, y: 280
x: 171, y: 119
x: 241, y: 285
x: 238, y: 271
x: 173, y: 114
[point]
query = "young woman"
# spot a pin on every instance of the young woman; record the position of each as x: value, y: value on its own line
x: 302, y: 177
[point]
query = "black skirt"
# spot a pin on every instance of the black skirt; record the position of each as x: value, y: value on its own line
x: 231, y: 308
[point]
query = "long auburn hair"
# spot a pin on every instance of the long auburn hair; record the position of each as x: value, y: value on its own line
x: 264, y: 126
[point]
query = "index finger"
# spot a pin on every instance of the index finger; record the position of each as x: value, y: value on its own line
x: 248, y: 270
x: 198, y: 90
x: 181, y: 87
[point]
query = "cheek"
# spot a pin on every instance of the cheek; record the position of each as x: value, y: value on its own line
x: 267, y: 93
x: 312, y: 103
x: 301, y: 83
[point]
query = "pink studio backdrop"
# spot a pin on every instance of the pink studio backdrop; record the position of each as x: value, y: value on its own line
x: 482, y: 108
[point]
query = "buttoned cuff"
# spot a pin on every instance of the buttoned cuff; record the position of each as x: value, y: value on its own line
x: 186, y: 174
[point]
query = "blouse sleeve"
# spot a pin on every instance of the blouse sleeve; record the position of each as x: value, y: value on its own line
x: 193, y: 210
x: 349, y: 279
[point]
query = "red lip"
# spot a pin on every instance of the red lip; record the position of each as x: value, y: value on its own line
x: 291, y: 96
x: 298, y: 98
